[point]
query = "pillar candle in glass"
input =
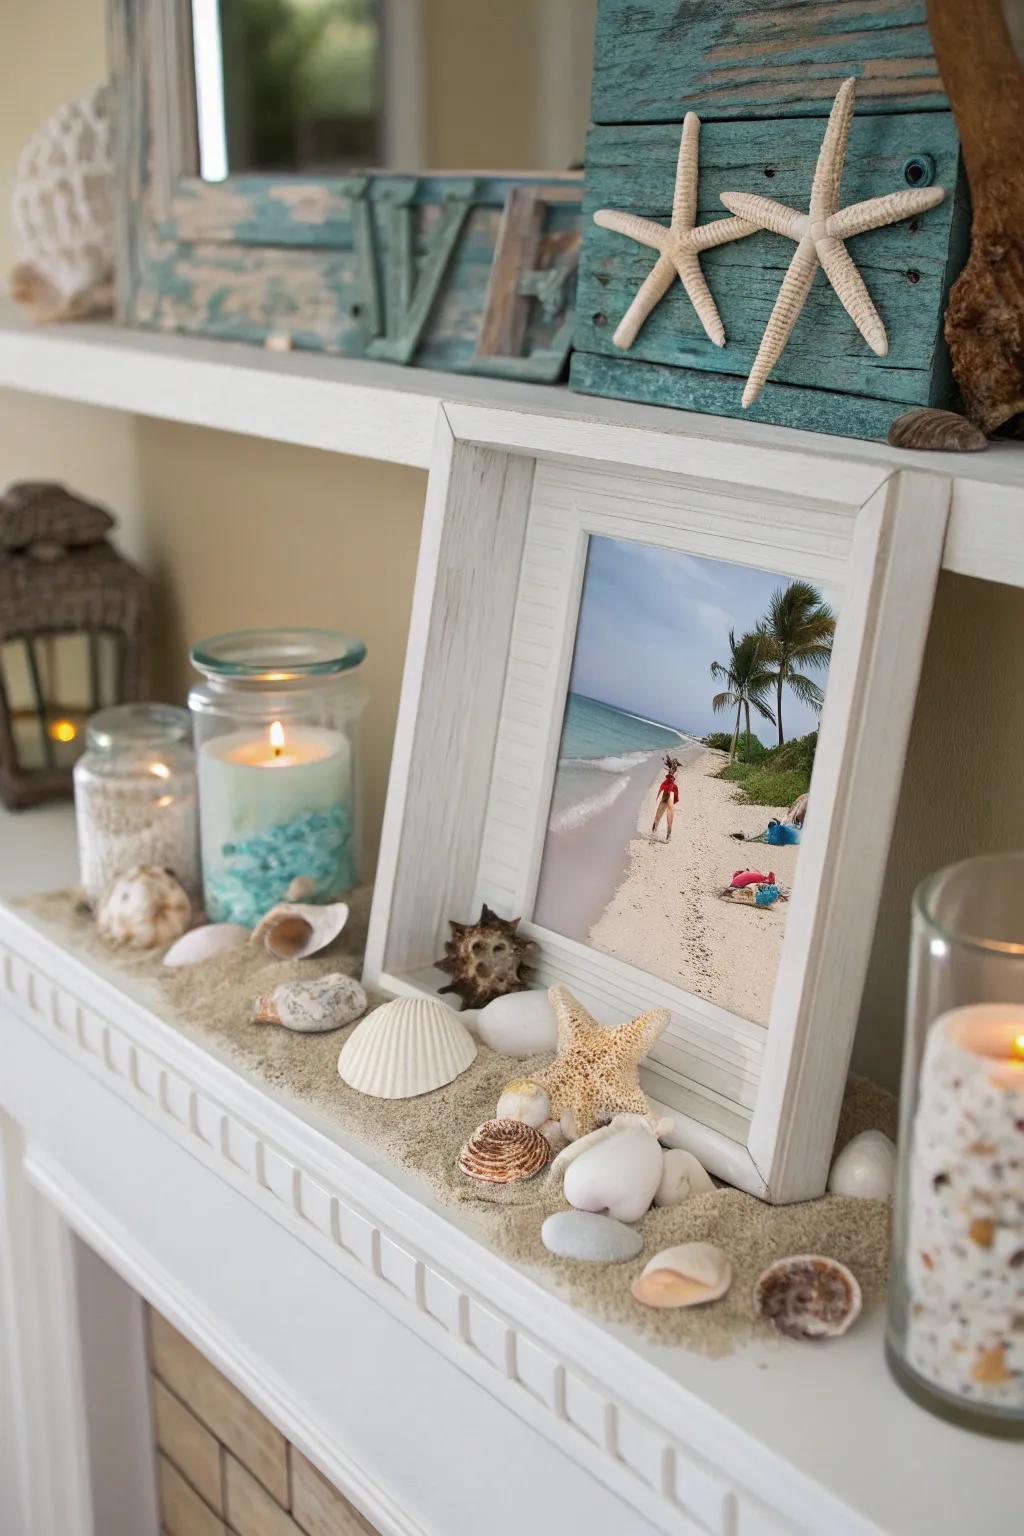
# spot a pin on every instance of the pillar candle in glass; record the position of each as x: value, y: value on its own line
x: 275, y: 720
x: 956, y: 1316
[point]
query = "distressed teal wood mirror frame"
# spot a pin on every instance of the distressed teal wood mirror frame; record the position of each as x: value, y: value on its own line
x: 468, y: 273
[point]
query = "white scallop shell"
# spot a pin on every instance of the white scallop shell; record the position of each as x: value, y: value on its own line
x: 143, y: 909
x: 614, y: 1171
x: 312, y: 1007
x: 205, y: 942
x: 409, y: 1046
x: 682, y: 1177
x: 865, y: 1168
x: 293, y: 930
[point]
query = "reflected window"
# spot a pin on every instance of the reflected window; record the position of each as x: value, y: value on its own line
x: 287, y: 85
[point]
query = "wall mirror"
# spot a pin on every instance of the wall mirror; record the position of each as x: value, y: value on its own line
x: 388, y: 179
x: 317, y: 87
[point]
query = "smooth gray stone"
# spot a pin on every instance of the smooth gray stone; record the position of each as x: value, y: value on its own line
x: 584, y: 1235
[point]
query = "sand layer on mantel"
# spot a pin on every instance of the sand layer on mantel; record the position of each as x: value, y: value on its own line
x: 211, y: 1002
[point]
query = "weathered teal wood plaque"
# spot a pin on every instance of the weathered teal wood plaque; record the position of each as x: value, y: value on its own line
x: 424, y: 269
x: 657, y: 59
x: 762, y: 77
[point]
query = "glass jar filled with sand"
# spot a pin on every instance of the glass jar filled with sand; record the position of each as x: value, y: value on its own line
x: 135, y: 796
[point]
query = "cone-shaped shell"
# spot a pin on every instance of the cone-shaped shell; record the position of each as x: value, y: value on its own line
x: 503, y: 1151
x: 409, y: 1046
x: 312, y: 1007
x: 293, y: 930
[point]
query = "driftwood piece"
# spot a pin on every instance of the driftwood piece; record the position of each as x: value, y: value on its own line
x: 985, y: 317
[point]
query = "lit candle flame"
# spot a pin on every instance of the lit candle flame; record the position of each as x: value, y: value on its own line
x: 277, y: 737
x: 1017, y: 1048
x: 63, y: 730
x: 160, y: 771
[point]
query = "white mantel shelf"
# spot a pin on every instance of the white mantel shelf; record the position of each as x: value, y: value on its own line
x: 340, y: 1296
x: 379, y: 411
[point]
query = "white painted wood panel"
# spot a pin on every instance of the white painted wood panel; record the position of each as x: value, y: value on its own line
x: 412, y: 1365
x: 373, y: 410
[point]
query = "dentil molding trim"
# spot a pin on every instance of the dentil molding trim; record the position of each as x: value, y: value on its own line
x: 492, y: 1321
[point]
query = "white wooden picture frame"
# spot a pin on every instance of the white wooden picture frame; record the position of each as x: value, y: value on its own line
x: 514, y: 498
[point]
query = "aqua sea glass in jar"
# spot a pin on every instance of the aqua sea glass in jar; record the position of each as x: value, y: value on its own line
x: 135, y: 796
x: 275, y: 720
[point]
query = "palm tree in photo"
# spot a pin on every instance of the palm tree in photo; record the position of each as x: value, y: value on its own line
x: 748, y: 683
x: 797, y: 633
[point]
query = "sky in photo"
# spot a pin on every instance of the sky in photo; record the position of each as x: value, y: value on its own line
x: 651, y: 623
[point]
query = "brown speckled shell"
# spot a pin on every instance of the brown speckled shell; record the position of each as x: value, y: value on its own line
x: 502, y: 1151
x: 807, y: 1296
x: 933, y: 431
x: 486, y: 959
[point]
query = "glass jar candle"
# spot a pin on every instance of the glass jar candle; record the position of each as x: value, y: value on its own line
x: 275, y: 722
x: 135, y: 796
x: 956, y: 1305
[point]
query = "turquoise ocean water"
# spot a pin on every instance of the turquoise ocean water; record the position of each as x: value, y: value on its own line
x: 600, y: 747
x: 594, y: 730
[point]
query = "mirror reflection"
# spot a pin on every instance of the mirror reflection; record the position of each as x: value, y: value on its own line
x: 323, y: 87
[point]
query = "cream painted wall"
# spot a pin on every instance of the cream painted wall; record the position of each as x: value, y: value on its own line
x: 242, y: 533
x: 238, y: 532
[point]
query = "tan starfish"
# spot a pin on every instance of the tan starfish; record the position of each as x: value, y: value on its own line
x: 594, y: 1075
x: 679, y: 246
x: 819, y: 234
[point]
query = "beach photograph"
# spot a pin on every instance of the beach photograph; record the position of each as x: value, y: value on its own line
x: 684, y: 772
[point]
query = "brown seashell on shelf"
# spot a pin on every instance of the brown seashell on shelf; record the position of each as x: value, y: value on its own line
x: 486, y: 959
x: 293, y: 930
x: 808, y: 1296
x: 930, y: 430
x: 504, y: 1151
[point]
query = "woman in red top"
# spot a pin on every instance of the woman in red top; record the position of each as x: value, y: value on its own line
x: 668, y: 796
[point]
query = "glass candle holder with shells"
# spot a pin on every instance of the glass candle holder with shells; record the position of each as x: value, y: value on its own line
x: 275, y: 719
x: 956, y: 1306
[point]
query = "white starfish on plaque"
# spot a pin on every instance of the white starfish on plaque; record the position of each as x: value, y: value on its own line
x: 679, y: 246
x: 819, y: 234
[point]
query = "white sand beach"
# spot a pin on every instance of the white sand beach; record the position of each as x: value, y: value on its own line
x: 666, y: 915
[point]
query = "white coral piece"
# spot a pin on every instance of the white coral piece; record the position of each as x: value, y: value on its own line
x: 62, y: 211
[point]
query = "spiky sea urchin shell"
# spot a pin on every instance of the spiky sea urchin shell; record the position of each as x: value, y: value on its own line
x: 808, y: 1296
x: 486, y: 959
x: 503, y: 1151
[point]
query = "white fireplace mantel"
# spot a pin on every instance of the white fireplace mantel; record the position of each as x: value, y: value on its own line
x: 444, y: 1391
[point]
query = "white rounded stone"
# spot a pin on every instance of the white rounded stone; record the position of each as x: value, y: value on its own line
x: 617, y: 1175
x: 205, y: 942
x: 518, y: 1024
x: 866, y: 1168
x: 682, y: 1176
x: 594, y: 1239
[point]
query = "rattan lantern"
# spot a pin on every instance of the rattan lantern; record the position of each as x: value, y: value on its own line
x: 73, y: 635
